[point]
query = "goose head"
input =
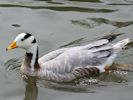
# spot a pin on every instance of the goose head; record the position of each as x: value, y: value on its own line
x: 27, y: 42
x: 23, y: 40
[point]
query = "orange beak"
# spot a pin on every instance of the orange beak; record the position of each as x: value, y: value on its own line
x: 13, y: 45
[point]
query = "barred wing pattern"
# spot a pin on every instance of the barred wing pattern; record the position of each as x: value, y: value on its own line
x: 69, y: 63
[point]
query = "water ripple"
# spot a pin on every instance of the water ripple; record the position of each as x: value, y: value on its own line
x: 61, y: 8
x: 93, y: 22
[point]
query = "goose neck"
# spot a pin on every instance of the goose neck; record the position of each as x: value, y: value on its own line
x: 31, y: 58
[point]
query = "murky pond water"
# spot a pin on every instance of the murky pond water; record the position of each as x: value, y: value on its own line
x: 57, y: 23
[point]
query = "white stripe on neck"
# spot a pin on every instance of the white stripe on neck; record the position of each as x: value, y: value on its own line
x: 33, y: 50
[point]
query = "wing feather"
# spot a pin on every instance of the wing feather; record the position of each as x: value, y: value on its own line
x: 50, y: 56
x: 96, y: 44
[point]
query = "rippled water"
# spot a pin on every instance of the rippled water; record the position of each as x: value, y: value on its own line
x: 61, y: 23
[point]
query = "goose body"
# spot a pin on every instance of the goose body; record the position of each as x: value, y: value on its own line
x: 67, y: 64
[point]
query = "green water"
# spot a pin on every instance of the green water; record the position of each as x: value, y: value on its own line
x: 59, y: 23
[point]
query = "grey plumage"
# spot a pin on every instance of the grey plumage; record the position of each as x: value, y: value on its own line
x: 67, y: 64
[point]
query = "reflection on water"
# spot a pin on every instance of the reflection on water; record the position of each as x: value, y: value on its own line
x: 75, y: 0
x: 13, y: 64
x: 93, y: 22
x: 61, y: 8
x: 130, y: 45
x: 114, y: 23
x: 116, y: 76
x: 70, y: 87
x: 86, y: 0
x: 31, y: 90
x: 80, y: 9
x: 16, y: 25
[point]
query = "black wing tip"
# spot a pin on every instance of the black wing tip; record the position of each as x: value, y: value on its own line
x: 111, y: 37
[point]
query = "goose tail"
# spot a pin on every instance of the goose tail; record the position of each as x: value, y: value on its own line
x: 117, y: 48
x: 121, y: 44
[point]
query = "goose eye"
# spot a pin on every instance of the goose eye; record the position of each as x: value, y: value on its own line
x: 22, y: 39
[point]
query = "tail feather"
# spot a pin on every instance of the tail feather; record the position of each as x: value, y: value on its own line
x: 111, y: 37
x: 117, y: 47
x: 122, y: 43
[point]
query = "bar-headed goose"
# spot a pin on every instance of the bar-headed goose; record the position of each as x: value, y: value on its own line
x: 67, y: 64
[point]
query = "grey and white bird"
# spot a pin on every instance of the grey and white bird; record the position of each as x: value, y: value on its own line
x: 67, y: 64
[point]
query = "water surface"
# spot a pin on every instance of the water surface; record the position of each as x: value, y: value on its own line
x: 62, y: 23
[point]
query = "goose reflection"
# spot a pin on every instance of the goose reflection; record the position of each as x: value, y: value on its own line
x: 31, y: 90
